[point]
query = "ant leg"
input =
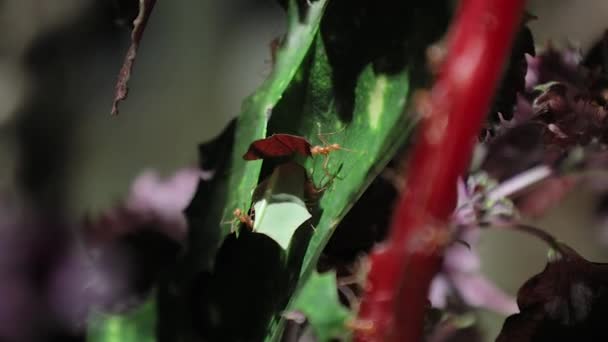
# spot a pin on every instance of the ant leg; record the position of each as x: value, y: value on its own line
x: 233, y: 224
x: 323, y: 185
x: 325, y: 166
x: 322, y: 136
x: 328, y: 144
x: 330, y: 177
x: 323, y: 140
x: 326, y: 169
x: 329, y: 133
x: 312, y: 179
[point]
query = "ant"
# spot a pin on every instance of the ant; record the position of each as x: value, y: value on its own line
x: 324, y: 151
x: 240, y: 216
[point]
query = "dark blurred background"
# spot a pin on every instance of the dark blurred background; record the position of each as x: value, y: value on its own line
x: 61, y: 150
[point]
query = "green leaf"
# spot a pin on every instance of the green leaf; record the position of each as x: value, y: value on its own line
x: 213, y: 278
x: 282, y: 209
x: 318, y: 300
x: 351, y: 78
x: 258, y: 107
x: 366, y: 59
x: 135, y: 326
x: 377, y: 129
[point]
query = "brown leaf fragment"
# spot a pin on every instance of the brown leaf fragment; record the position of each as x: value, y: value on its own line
x: 139, y: 25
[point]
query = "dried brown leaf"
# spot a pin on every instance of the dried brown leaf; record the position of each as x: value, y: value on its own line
x: 139, y: 25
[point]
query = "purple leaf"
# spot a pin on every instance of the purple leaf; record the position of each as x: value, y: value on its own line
x: 553, y: 65
x: 567, y: 301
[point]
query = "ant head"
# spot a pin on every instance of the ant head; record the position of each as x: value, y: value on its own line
x: 237, y: 212
x: 334, y: 147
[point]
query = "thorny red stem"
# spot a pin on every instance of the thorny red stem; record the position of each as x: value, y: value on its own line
x: 395, y: 300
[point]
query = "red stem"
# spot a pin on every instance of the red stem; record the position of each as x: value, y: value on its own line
x: 395, y: 299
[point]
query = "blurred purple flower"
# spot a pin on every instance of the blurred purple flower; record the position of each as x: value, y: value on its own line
x: 26, y: 247
x: 152, y: 202
x: 51, y: 277
x: 18, y: 307
x: 125, y: 248
x: 88, y: 280
x: 165, y: 200
x: 461, y: 272
x: 461, y: 276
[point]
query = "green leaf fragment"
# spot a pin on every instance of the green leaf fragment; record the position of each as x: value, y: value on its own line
x: 135, y: 326
x: 282, y: 209
x: 318, y: 301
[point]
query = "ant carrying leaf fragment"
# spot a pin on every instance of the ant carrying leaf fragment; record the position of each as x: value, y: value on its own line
x: 278, y: 146
x: 287, y: 145
x: 243, y: 218
x: 240, y: 217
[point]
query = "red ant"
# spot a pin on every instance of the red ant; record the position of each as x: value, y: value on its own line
x: 324, y: 151
x: 240, y: 216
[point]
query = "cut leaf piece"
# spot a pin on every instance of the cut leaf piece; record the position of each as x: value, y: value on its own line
x: 282, y: 208
x: 276, y: 146
x: 135, y: 326
x: 318, y: 300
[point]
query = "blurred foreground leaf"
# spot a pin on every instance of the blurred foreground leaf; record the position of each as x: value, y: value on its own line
x: 135, y: 326
x: 255, y: 271
x: 318, y: 301
x: 204, y: 238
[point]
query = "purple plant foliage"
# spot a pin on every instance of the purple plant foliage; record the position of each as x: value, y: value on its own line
x: 553, y: 65
x: 52, y: 274
x: 567, y: 103
x: 27, y: 245
x: 563, y: 107
x: 85, y: 280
